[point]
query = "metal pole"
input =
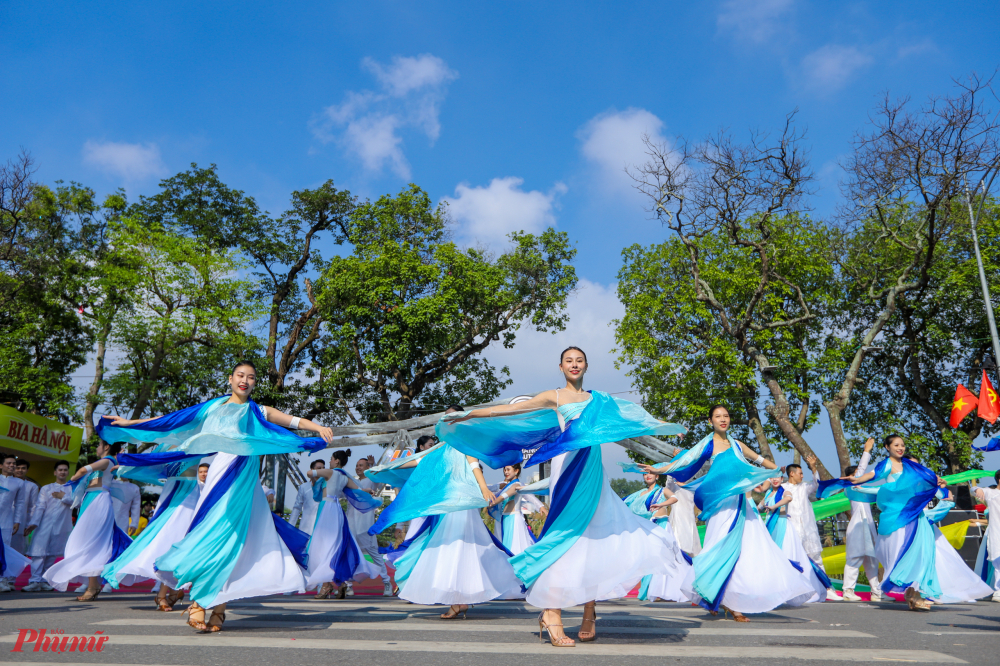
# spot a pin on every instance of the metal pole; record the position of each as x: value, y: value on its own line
x: 974, y: 218
x: 281, y: 473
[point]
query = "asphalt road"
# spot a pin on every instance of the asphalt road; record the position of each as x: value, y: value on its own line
x: 294, y: 630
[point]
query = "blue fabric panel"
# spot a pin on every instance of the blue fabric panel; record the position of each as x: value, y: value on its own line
x: 295, y: 539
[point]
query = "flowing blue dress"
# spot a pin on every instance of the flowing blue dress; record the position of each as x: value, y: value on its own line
x: 653, y: 587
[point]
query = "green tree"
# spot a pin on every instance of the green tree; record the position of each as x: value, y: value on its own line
x: 186, y: 293
x: 409, y: 312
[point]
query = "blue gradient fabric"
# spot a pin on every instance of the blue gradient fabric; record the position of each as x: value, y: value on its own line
x: 684, y: 466
x: 294, y: 539
x: 776, y: 523
x: 729, y: 475
x: 359, y: 499
x: 442, y: 482
x: 902, y: 500
x: 205, y: 557
x: 212, y: 427
x: 154, y: 467
x: 506, y: 439
x: 572, y: 505
x: 714, y: 566
x: 641, y: 501
x: 393, y: 473
x: 178, y: 490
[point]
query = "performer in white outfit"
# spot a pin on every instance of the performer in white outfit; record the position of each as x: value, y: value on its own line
x: 12, y: 504
x: 861, y: 536
x: 49, y: 526
x: 305, y: 506
x: 988, y: 559
x: 334, y: 554
x: 360, y: 521
x: 95, y: 539
x: 128, y: 509
x: 682, y: 519
x: 12, y: 563
x: 801, y: 514
x: 21, y: 471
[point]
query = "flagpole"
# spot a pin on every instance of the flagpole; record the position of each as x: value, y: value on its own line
x: 974, y: 219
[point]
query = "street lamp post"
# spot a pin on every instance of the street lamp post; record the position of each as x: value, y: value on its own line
x: 987, y: 301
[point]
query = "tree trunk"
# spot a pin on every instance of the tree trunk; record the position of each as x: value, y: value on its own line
x: 758, y: 430
x: 150, y: 384
x: 95, y: 386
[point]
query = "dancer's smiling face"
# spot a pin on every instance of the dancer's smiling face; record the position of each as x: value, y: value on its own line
x: 649, y: 479
x: 573, y: 364
x: 242, y: 381
x: 896, y: 448
x: 720, y: 420
x: 510, y: 472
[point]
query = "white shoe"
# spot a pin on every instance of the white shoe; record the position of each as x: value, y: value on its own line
x: 850, y: 596
x: 996, y: 596
x: 876, y: 598
x: 832, y: 596
x: 387, y: 590
x: 5, y: 587
x: 32, y: 587
x: 350, y: 590
x: 46, y: 587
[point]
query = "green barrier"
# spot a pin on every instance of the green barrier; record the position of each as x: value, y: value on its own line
x: 839, y: 503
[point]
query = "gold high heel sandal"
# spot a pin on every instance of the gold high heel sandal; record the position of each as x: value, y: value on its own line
x: 210, y: 626
x: 588, y: 636
x: 916, y: 602
x: 89, y: 595
x: 565, y: 641
x: 737, y: 617
x: 454, y: 610
x: 195, y: 610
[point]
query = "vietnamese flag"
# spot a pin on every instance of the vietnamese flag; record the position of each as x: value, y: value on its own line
x: 989, y: 404
x: 964, y: 403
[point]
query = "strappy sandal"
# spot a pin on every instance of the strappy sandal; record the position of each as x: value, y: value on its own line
x: 161, y: 603
x: 342, y: 591
x: 213, y: 628
x: 916, y: 602
x: 565, y: 641
x: 172, y: 600
x: 454, y: 610
x: 89, y: 595
x: 192, y: 611
x: 588, y: 636
x: 737, y: 616
x: 324, y: 591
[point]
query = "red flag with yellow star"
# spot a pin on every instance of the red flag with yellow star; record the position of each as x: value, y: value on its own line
x: 989, y: 404
x: 965, y: 402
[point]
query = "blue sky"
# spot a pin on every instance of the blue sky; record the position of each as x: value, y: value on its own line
x: 521, y: 114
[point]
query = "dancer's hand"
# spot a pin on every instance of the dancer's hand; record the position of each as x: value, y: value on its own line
x: 371, y: 460
x: 29, y: 530
x: 648, y: 469
x: 325, y: 433
x: 942, y: 483
x: 119, y: 421
x: 489, y: 496
x: 869, y: 443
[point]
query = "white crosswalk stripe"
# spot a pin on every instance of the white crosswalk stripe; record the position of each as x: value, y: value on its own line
x: 389, y: 625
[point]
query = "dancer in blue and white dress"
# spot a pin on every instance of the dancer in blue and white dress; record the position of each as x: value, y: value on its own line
x: 333, y: 551
x: 510, y: 507
x: 916, y: 558
x: 740, y: 569
x: 588, y: 526
x: 168, y: 525
x: 234, y: 547
x: 988, y: 558
x: 12, y: 563
x: 783, y: 531
x: 651, y: 503
x: 451, y: 558
x: 95, y: 539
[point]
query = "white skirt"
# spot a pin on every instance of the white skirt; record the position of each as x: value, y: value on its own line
x: 614, y: 553
x: 90, y: 545
x: 678, y: 586
x: 173, y: 530
x: 14, y: 562
x: 793, y: 550
x: 957, y: 581
x: 520, y: 536
x: 460, y: 565
x: 763, y: 578
x: 326, y: 542
x: 264, y: 565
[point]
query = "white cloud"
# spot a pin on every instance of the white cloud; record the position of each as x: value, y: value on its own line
x: 830, y: 67
x: 612, y: 141
x: 916, y: 48
x: 368, y: 124
x: 408, y: 74
x: 488, y: 214
x: 757, y: 21
x: 132, y: 162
